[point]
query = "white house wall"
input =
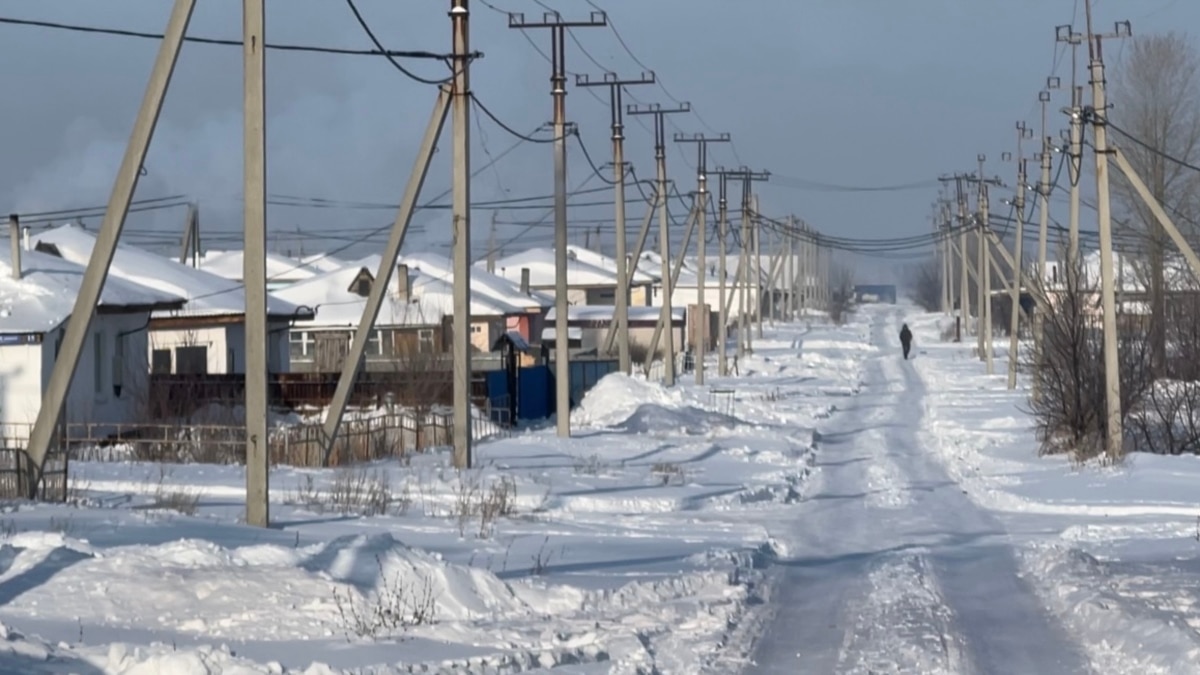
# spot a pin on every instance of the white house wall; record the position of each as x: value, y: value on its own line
x: 684, y: 297
x: 24, y: 370
x: 225, y: 346
x: 20, y: 387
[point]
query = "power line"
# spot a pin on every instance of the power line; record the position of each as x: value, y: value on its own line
x: 378, y: 45
x: 122, y: 32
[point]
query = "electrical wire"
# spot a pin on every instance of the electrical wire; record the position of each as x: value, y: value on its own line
x: 1149, y: 148
x: 379, y: 45
x: 121, y: 32
x: 513, y: 132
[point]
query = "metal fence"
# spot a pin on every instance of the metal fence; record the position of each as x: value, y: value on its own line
x: 363, y: 439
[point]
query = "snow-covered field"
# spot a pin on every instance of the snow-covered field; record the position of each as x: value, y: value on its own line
x: 634, y: 547
x: 832, y: 504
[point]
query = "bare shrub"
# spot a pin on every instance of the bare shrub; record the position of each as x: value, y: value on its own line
x: 1069, y: 374
x: 171, y: 498
x: 500, y: 501
x: 668, y: 471
x: 394, y: 607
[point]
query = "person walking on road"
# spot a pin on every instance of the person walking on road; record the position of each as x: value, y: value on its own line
x: 905, y: 340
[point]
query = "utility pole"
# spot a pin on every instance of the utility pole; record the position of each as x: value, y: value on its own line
x: 254, y: 261
x: 704, y: 322
x: 491, y: 256
x: 191, y: 235
x: 1067, y: 34
x: 1014, y: 326
x: 1099, y: 118
x: 722, y: 273
x: 964, y: 282
x: 1045, y: 157
x: 616, y: 88
x: 84, y: 309
x: 758, y: 275
x: 659, y: 114
x: 558, y: 79
x: 789, y: 307
x: 387, y: 267
x: 983, y: 270
x: 461, y: 214
x: 743, y: 279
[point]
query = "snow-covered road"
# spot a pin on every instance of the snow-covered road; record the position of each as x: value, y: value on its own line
x: 890, y: 566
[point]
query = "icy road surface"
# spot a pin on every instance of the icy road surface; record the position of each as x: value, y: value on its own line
x: 890, y: 566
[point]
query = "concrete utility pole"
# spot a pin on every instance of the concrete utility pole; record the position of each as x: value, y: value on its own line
x: 964, y: 288
x: 558, y: 80
x: 631, y: 262
x: 722, y: 274
x: 191, y: 236
x: 743, y: 278
x: 254, y: 262
x: 383, y: 276
x: 1067, y: 34
x: 984, y: 285
x: 789, y: 307
x: 704, y: 322
x: 616, y: 86
x: 1045, y: 157
x: 491, y: 255
x: 79, y: 325
x: 1099, y: 118
x: 1014, y: 326
x: 461, y: 215
x: 755, y: 232
x: 659, y: 114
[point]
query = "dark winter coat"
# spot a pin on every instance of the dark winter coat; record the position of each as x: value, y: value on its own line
x: 905, y: 335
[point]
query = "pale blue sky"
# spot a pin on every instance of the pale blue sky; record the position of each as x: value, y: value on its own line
x: 854, y: 92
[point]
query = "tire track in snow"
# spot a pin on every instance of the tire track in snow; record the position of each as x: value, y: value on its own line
x: 901, y: 625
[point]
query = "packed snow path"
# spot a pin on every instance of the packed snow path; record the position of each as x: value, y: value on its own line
x: 890, y: 567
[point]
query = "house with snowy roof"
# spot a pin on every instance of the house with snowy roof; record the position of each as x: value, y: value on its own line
x: 415, y: 319
x: 207, y: 334
x: 588, y: 282
x: 282, y: 271
x: 37, y: 295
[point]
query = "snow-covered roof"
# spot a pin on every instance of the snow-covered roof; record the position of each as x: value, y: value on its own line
x: 207, y: 294
x: 430, y: 298
x: 640, y: 277
x: 689, y: 276
x: 322, y: 262
x: 483, y: 283
x: 228, y: 265
x: 604, y: 313
x: 540, y: 262
x: 42, y: 299
x: 1132, y: 273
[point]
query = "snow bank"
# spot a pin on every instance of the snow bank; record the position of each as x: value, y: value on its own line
x: 261, y: 592
x: 617, y: 396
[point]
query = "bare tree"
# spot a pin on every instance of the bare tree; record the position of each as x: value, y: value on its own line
x: 841, y: 291
x: 925, y: 284
x: 1156, y: 97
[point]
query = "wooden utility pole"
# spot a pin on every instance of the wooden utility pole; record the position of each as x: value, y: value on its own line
x: 616, y: 88
x: 1114, y: 438
x: 558, y: 80
x: 96, y: 272
x: 659, y: 114
x: 703, y: 322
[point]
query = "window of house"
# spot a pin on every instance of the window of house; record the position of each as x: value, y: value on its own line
x: 476, y: 328
x: 301, y: 345
x: 425, y: 341
x: 98, y: 362
x: 191, y: 360
x: 374, y: 343
x: 160, y: 362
